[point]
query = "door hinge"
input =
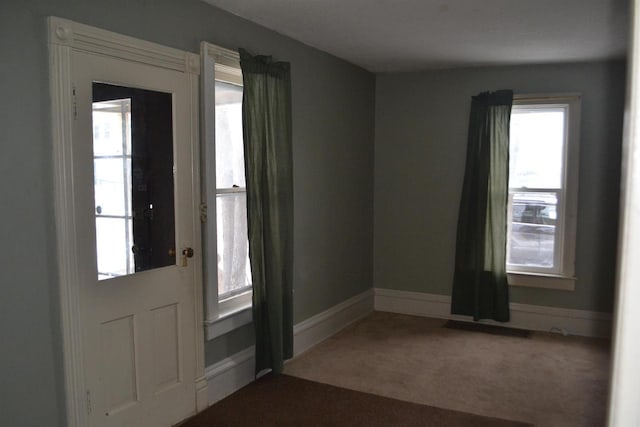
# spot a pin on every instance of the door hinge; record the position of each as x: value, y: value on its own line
x: 203, y: 213
x: 88, y: 402
x: 75, y: 103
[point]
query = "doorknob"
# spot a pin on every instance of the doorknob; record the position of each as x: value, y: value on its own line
x: 186, y: 253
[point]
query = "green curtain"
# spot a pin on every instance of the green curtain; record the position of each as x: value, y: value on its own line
x: 266, y: 116
x: 480, y: 287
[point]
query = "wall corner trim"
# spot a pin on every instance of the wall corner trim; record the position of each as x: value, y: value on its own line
x: 523, y: 316
x: 237, y: 370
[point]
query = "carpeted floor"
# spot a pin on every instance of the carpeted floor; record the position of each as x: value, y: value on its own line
x: 546, y: 380
x: 288, y: 401
x: 487, y: 329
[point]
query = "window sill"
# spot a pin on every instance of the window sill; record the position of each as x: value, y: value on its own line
x: 544, y: 281
x: 228, y: 321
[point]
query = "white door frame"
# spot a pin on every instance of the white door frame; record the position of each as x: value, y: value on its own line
x: 65, y: 37
x: 625, y: 374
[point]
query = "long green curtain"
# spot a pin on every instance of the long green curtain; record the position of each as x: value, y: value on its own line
x: 480, y: 287
x: 266, y: 115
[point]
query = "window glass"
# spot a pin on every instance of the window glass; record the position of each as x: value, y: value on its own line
x: 536, y: 145
x: 113, y: 237
x: 112, y: 187
x: 536, y: 176
x: 234, y: 273
x: 133, y: 179
x: 533, y: 229
x: 111, y: 123
x: 229, y: 149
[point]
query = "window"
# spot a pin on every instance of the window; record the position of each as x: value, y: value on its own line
x: 228, y: 273
x: 112, y: 180
x: 543, y: 152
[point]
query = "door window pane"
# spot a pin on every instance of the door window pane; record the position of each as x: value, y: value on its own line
x: 112, y: 179
x: 112, y: 187
x: 113, y: 247
x: 133, y: 179
x: 112, y: 127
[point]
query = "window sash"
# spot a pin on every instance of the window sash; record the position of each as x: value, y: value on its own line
x: 226, y: 295
x: 566, y: 210
x: 228, y: 308
x: 558, y: 243
x: 232, y: 190
x: 234, y: 252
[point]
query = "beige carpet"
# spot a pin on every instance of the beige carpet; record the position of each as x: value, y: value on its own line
x: 546, y: 380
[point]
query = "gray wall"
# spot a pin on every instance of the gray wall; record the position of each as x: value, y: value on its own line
x: 420, y: 145
x: 420, y: 140
x: 333, y: 169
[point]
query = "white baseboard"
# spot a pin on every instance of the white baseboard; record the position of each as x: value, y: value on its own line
x: 237, y: 370
x: 523, y: 316
x: 318, y: 328
x: 202, y: 394
x: 230, y: 374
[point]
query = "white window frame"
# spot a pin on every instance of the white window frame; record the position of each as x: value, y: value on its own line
x: 222, y: 316
x: 562, y: 277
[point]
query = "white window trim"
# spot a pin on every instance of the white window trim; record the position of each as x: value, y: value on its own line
x: 222, y: 316
x: 564, y: 278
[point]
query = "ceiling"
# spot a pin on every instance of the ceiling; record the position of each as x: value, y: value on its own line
x: 410, y: 35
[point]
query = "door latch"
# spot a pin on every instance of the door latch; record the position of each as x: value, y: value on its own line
x: 186, y: 253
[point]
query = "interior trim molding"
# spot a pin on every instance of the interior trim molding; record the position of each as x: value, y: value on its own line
x: 66, y: 236
x: 202, y: 393
x: 231, y: 374
x: 523, y: 316
x: 228, y: 323
x: 65, y: 37
x: 198, y: 292
x: 318, y: 328
x: 85, y: 38
x: 236, y: 371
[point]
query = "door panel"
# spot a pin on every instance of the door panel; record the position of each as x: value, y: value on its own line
x: 166, y: 339
x: 120, y: 371
x: 138, y: 329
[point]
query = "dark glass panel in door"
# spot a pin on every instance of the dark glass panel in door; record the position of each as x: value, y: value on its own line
x: 133, y: 179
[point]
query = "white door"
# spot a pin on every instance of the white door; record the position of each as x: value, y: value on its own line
x: 138, y: 331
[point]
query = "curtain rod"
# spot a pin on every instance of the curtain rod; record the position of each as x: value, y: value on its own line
x: 544, y: 97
